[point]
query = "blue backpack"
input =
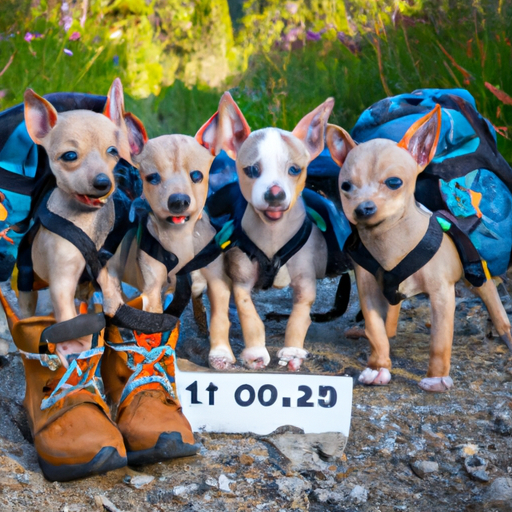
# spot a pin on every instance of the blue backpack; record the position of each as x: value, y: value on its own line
x: 468, y: 176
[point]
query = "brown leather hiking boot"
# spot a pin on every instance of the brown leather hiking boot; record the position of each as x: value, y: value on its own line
x: 138, y: 372
x: 68, y: 417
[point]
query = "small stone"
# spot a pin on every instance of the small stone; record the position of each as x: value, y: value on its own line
x: 4, y: 347
x: 466, y: 450
x: 181, y: 490
x: 359, y: 494
x: 138, y: 481
x: 325, y: 496
x: 476, y: 466
x: 224, y: 483
x: 105, y: 504
x: 480, y: 475
x: 503, y: 425
x: 499, y: 494
x: 211, y: 482
x: 246, y: 460
x: 293, y: 486
x: 422, y: 468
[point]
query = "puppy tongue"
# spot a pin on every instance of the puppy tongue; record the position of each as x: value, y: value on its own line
x: 179, y: 220
x: 274, y: 215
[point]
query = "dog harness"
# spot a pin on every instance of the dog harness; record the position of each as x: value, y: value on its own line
x: 390, y: 280
x: 95, y: 259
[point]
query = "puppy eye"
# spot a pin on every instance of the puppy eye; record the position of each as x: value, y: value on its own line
x: 69, y: 156
x: 196, y: 176
x: 294, y: 171
x: 393, y: 183
x: 252, y: 171
x: 113, y: 151
x: 346, y: 186
x: 153, y: 179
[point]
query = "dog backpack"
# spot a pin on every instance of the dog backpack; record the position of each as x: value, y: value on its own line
x: 468, y: 177
x: 25, y: 175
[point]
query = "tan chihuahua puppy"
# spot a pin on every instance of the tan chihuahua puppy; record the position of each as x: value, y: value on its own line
x: 377, y: 182
x: 83, y: 148
x: 271, y: 167
x: 175, y: 171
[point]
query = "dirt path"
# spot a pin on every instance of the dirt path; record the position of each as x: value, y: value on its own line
x: 394, y: 429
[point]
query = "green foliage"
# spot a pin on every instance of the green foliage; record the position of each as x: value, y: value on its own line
x: 279, y: 58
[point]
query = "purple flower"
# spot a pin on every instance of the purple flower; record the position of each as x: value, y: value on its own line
x: 68, y: 52
x: 67, y: 21
x: 28, y: 37
x: 313, y: 36
x: 74, y: 36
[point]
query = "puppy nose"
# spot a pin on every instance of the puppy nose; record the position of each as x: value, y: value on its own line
x: 178, y: 203
x: 102, y: 183
x: 274, y: 195
x: 365, y: 210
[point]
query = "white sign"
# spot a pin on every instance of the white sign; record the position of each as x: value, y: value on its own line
x: 262, y: 402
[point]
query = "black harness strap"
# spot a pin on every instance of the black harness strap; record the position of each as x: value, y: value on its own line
x: 268, y: 268
x: 203, y: 258
x: 151, y: 246
x: 390, y: 280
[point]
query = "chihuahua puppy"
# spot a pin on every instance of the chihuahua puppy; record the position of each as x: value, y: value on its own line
x: 271, y: 166
x: 83, y: 148
x: 377, y: 182
x: 174, y: 170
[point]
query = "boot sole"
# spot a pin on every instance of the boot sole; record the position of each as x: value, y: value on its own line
x: 106, y: 459
x: 170, y: 445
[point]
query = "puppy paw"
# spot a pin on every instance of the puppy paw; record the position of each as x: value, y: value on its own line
x: 221, y: 359
x: 376, y: 377
x: 255, y: 358
x: 436, y: 384
x: 354, y: 333
x: 292, y: 357
x: 507, y: 338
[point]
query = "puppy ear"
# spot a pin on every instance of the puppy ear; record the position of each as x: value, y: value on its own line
x: 339, y: 143
x: 227, y: 129
x: 422, y: 137
x: 40, y: 116
x: 137, y: 135
x: 311, y: 128
x: 114, y: 107
x: 207, y: 134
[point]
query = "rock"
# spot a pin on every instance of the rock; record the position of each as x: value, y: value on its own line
x: 499, y: 494
x: 293, y: 486
x: 466, y: 450
x: 358, y: 494
x: 211, y: 482
x: 104, y: 503
x: 4, y: 347
x: 310, y: 451
x: 138, y: 481
x: 476, y: 466
x: 224, y: 483
x: 422, y: 468
x: 503, y: 425
x: 325, y: 496
x: 182, y: 490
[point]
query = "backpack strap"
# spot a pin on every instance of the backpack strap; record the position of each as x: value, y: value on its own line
x: 389, y: 281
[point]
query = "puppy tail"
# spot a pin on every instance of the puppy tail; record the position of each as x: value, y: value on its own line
x: 340, y: 302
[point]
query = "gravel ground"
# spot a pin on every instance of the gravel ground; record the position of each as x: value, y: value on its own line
x: 407, y: 450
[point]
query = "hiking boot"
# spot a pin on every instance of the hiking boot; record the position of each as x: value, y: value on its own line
x: 139, y: 375
x: 72, y: 432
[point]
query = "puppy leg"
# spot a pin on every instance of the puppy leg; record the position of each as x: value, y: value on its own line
x: 392, y: 320
x: 221, y: 356
x: 255, y: 356
x: 489, y: 294
x: 27, y: 302
x: 304, y: 294
x: 375, y: 308
x: 442, y: 305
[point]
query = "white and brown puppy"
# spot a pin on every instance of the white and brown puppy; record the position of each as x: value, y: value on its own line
x: 83, y: 148
x: 175, y: 171
x: 271, y: 166
x: 377, y: 182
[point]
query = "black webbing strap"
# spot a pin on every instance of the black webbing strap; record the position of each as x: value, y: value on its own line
x: 81, y: 325
x: 18, y: 183
x: 142, y: 321
x: 94, y: 259
x: 389, y: 281
x: 151, y: 246
x: 203, y: 258
x: 268, y: 268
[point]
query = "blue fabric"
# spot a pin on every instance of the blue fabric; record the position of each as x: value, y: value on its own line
x: 19, y: 155
x: 492, y: 235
